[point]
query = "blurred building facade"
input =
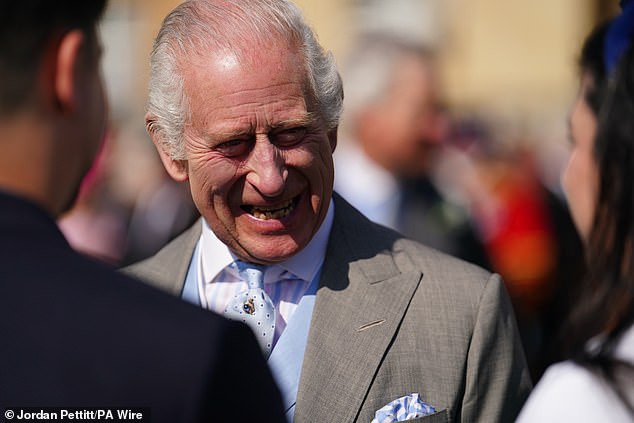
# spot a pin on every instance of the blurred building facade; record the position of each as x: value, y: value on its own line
x: 511, y: 60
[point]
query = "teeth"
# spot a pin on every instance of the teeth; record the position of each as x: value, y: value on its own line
x: 266, y: 209
x: 278, y: 212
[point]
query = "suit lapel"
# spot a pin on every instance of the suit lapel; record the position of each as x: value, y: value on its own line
x: 360, y: 302
x: 167, y: 270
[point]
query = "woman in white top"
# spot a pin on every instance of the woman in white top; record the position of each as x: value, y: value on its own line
x: 597, y: 383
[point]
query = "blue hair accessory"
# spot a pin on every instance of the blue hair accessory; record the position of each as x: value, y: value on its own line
x: 619, y: 36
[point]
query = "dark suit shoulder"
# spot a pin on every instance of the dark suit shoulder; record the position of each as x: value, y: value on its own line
x: 81, y: 334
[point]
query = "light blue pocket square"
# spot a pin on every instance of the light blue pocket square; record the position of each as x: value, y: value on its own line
x: 402, y: 409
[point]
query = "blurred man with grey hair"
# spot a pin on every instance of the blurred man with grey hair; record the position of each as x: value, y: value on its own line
x: 355, y: 319
x: 394, y: 126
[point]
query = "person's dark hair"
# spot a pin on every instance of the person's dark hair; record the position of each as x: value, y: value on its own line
x: 604, y: 307
x: 591, y: 63
x: 26, y: 26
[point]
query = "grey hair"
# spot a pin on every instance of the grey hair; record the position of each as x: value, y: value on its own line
x: 199, y: 26
x: 369, y: 69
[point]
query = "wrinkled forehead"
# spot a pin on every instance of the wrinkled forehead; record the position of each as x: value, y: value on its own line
x: 250, y: 55
x: 252, y: 59
x: 227, y: 81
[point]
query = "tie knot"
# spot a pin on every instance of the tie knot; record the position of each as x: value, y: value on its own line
x: 252, y: 273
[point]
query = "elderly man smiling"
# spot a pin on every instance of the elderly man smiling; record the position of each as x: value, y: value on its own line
x: 244, y: 104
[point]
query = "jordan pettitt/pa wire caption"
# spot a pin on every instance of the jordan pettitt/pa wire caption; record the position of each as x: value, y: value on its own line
x: 76, y: 414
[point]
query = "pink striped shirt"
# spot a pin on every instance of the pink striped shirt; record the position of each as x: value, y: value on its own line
x: 285, y: 282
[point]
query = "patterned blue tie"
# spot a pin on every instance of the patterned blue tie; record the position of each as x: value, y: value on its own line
x: 253, y: 306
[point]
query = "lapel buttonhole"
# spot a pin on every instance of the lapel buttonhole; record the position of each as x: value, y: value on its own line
x: 370, y: 325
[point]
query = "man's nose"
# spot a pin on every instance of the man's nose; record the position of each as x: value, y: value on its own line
x: 435, y: 128
x: 267, y: 171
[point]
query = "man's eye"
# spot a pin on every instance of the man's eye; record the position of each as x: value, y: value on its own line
x: 233, y: 148
x: 288, y: 137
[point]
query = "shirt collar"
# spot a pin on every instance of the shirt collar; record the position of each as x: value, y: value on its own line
x: 351, y: 161
x: 305, y: 264
x: 377, y: 194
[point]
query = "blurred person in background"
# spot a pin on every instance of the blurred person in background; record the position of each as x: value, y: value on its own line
x: 526, y: 229
x: 96, y: 224
x: 128, y: 207
x: 357, y: 320
x: 597, y: 382
x: 453, y: 186
x: 393, y: 128
x: 74, y: 332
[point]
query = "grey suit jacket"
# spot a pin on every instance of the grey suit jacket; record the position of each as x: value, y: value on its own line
x: 393, y: 317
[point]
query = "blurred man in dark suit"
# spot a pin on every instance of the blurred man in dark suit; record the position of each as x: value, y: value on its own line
x: 75, y: 333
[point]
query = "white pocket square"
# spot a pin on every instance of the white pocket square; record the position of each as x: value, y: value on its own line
x: 402, y: 409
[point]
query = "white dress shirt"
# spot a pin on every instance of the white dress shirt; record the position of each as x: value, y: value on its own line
x: 374, y: 191
x: 285, y: 282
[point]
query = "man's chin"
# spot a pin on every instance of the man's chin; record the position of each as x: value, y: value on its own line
x: 274, y: 250
x: 81, y: 189
x: 71, y: 201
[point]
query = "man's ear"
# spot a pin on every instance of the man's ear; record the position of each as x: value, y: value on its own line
x: 332, y: 138
x: 177, y: 169
x: 68, y: 65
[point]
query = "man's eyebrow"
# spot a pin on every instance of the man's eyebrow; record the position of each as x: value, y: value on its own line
x: 228, y: 133
x: 306, y: 120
